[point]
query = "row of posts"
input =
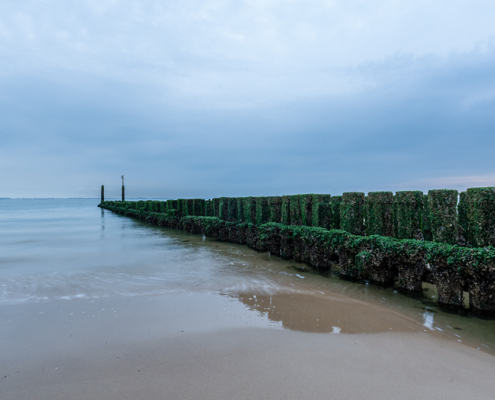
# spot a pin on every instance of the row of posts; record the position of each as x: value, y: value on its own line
x: 466, y: 219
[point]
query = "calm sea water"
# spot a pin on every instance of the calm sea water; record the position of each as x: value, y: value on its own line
x: 69, y: 249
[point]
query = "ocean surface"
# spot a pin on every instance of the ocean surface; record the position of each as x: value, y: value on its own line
x: 69, y: 250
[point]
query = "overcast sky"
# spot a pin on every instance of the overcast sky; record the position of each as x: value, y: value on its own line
x: 264, y: 97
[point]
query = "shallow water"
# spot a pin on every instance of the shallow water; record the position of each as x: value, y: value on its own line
x: 65, y: 250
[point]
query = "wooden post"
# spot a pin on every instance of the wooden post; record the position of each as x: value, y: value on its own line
x: 123, y: 189
x: 102, y: 193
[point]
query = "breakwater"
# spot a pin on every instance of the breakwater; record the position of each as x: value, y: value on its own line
x: 302, y: 227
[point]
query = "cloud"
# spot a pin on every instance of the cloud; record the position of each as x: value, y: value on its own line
x: 262, y: 97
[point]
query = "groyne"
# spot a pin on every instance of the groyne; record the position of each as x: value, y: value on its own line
x: 409, y: 238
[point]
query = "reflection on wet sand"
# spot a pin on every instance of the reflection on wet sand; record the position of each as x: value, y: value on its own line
x: 324, y: 313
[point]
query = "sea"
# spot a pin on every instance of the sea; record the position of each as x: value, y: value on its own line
x: 55, y: 251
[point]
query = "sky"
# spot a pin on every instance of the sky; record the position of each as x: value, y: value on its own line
x: 235, y: 98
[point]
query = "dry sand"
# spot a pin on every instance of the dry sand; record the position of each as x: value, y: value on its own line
x: 201, y: 346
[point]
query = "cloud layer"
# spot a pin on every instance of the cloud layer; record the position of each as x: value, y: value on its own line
x: 208, y: 98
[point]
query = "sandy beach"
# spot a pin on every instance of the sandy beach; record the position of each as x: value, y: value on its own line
x: 206, y: 346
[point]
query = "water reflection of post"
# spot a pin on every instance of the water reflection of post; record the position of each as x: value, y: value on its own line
x: 428, y: 317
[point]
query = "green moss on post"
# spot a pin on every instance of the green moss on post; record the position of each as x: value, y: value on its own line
x: 295, y: 210
x: 323, y: 217
x: 181, y: 208
x: 216, y: 207
x: 285, y: 210
x: 198, y: 207
x: 317, y: 199
x: 442, y: 205
x: 172, y: 205
x: 240, y: 209
x: 262, y: 210
x: 306, y: 204
x: 275, y: 204
x: 462, y: 217
x: 352, y: 213
x: 223, y: 209
x: 426, y: 221
x: 379, y: 213
x: 190, y: 206
x: 481, y: 216
x: 336, y: 201
x: 408, y: 214
x: 208, y: 208
x: 249, y: 204
x: 232, y: 209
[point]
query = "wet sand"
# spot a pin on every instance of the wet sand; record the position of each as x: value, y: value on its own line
x: 211, y: 346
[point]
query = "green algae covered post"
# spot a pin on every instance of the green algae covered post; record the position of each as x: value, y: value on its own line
x: 161, y: 206
x: 262, y: 210
x: 102, y: 193
x: 408, y: 214
x: 379, y: 213
x: 216, y: 207
x: 198, y: 207
x: 306, y: 204
x: 190, y: 206
x: 249, y: 209
x: 352, y: 213
x: 181, y: 208
x: 442, y: 207
x: 295, y: 210
x: 462, y: 218
x: 172, y: 205
x: 285, y: 210
x: 275, y: 204
x: 240, y: 209
x: 335, y: 201
x: 223, y: 208
x: 184, y: 207
x: 323, y: 217
x: 317, y: 199
x: 207, y: 211
x: 481, y: 216
x: 232, y: 209
x: 426, y: 221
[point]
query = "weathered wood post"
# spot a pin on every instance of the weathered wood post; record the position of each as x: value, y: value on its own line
x: 379, y: 213
x: 123, y: 189
x: 408, y: 212
x: 442, y: 206
x: 481, y: 216
x: 352, y: 213
x: 102, y: 193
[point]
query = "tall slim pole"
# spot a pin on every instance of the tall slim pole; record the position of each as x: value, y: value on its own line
x: 102, y: 193
x: 123, y: 189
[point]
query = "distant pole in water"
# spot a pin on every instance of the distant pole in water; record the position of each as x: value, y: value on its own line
x: 102, y: 193
x: 123, y: 189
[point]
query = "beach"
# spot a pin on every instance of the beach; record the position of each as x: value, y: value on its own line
x: 115, y: 309
x: 200, y: 346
